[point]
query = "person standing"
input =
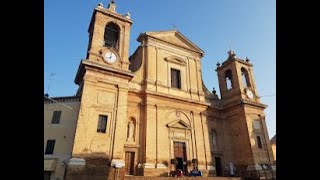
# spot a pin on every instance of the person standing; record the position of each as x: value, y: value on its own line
x: 231, y: 169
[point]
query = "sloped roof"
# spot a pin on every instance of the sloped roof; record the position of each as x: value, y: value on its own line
x: 62, y: 99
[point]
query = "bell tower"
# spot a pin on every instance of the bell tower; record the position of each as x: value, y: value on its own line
x: 236, y: 80
x: 103, y: 79
x: 109, y: 37
x: 243, y: 112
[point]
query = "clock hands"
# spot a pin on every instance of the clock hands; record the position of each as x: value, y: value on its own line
x: 110, y: 57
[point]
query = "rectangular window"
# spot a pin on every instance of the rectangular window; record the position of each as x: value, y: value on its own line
x: 50, y: 146
x: 56, y: 117
x: 175, y: 78
x: 259, y: 142
x: 102, y: 124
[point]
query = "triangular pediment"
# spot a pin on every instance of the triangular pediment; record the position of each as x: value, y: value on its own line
x: 178, y: 124
x: 176, y: 38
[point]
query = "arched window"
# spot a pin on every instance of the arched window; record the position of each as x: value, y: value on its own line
x: 245, y: 77
x: 111, y: 36
x: 228, y: 77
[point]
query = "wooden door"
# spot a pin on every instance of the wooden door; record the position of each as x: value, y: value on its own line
x: 129, y: 163
x: 180, y: 154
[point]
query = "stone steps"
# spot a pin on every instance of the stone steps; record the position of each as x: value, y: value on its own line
x: 180, y: 178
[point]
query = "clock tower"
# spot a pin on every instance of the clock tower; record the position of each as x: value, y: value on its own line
x: 236, y: 80
x: 103, y: 79
x: 243, y: 112
x: 109, y: 37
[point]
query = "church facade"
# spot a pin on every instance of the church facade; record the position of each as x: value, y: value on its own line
x: 150, y: 113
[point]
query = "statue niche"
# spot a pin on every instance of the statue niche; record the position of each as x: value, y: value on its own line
x: 214, y: 139
x: 131, y: 130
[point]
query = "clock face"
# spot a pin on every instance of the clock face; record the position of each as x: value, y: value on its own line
x: 110, y: 57
x: 249, y: 94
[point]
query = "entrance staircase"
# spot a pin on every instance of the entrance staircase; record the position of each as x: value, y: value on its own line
x: 179, y: 178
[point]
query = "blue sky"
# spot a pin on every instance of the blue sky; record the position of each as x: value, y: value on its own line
x: 247, y: 26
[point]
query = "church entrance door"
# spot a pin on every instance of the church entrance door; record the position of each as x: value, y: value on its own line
x: 181, y: 155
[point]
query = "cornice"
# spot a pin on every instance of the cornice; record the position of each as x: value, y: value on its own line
x: 113, y: 14
x: 254, y: 104
x: 90, y: 65
x: 176, y: 98
x: 229, y: 61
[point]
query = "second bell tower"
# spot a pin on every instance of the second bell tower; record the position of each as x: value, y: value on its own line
x: 243, y: 113
x: 236, y: 80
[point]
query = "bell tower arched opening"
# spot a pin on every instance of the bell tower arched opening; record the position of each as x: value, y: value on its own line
x: 111, y: 36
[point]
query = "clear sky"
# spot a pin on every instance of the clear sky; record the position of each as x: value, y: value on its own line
x: 247, y: 26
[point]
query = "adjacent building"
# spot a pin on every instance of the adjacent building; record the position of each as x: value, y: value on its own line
x: 60, y: 121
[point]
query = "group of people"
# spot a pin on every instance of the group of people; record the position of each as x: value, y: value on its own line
x: 194, y: 172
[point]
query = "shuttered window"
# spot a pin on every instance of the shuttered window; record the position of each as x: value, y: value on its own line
x: 50, y: 146
x: 175, y: 78
x: 56, y: 117
x: 102, y: 124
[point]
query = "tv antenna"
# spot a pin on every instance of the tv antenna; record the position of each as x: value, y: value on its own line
x: 50, y: 79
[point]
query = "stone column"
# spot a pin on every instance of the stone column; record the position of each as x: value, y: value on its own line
x: 150, y: 115
x: 200, y: 146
